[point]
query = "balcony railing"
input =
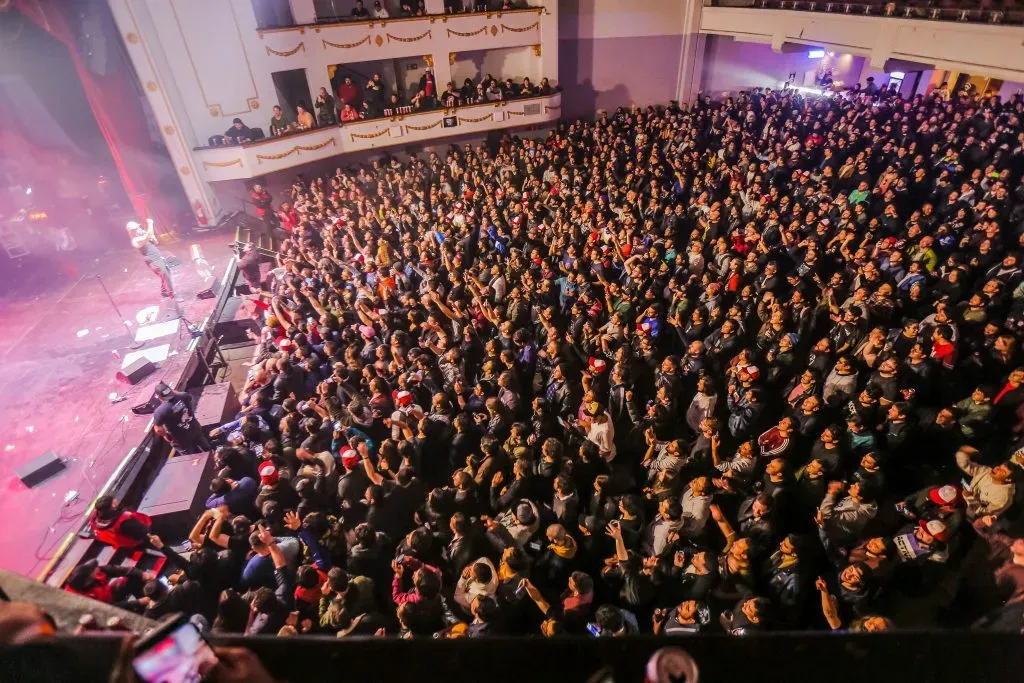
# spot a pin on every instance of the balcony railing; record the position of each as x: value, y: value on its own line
x: 983, y: 11
x: 357, y: 41
x: 254, y: 159
x: 370, y: 23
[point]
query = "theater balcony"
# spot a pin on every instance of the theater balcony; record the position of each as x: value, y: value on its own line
x: 275, y: 154
x: 318, y: 45
x: 203, y: 64
x: 959, y: 37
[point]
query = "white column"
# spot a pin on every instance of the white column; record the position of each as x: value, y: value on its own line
x: 432, y: 6
x: 442, y: 71
x: 317, y: 78
x: 691, y: 59
x: 139, y: 34
x: 549, y: 41
x: 883, y: 46
x: 303, y: 12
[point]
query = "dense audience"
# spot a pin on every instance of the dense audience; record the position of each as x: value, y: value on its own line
x: 747, y: 365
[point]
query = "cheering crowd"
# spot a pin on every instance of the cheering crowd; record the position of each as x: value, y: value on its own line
x: 748, y: 365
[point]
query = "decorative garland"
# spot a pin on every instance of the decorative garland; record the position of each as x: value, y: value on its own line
x: 425, y: 34
x: 346, y: 46
x: 466, y: 35
x: 260, y: 158
x: 222, y: 164
x: 520, y: 30
x: 328, y: 141
x: 489, y: 117
x: 287, y: 53
x: 515, y: 113
x: 432, y: 125
x: 369, y: 136
x: 552, y: 107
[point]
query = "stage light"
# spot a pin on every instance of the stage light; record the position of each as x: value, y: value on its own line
x: 815, y: 54
x: 28, y: 191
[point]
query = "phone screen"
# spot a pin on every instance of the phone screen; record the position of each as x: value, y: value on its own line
x: 182, y: 656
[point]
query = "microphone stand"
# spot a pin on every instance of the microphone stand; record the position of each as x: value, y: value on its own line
x: 124, y: 321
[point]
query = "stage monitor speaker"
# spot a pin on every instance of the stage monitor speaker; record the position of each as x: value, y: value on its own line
x: 215, y: 405
x: 139, y: 370
x: 178, y: 495
x: 210, y: 292
x: 38, y: 470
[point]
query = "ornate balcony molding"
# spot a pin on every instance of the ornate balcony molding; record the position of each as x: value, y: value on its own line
x: 277, y: 154
x: 289, y: 48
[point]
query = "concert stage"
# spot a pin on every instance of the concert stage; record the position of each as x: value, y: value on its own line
x: 58, y: 369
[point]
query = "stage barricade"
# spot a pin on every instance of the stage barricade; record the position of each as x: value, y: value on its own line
x: 142, y: 465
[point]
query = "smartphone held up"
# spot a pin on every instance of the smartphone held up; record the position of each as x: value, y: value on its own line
x: 174, y: 653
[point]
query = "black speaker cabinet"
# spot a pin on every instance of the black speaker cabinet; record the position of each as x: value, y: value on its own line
x: 38, y: 470
x: 177, y: 496
x: 139, y: 370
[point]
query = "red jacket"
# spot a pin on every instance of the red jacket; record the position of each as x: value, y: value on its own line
x: 100, y: 591
x: 348, y: 93
x: 110, y: 533
x: 289, y: 219
x: 262, y: 201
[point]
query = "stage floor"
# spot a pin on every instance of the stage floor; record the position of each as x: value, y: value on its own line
x: 57, y: 371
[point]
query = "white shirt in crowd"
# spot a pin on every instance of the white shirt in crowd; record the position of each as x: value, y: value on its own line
x: 603, y: 434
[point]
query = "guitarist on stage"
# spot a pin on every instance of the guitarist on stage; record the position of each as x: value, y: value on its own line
x: 144, y: 240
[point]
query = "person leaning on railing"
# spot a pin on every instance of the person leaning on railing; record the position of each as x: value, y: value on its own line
x: 304, y: 119
x: 349, y: 113
x: 238, y: 133
x: 279, y: 123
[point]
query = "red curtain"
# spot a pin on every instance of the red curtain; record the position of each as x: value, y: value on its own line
x: 116, y: 106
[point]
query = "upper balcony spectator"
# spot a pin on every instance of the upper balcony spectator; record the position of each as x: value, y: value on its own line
x: 360, y: 13
x: 326, y: 109
x: 411, y: 8
x: 349, y: 113
x: 303, y: 119
x: 460, y: 6
x: 348, y: 93
x: 239, y: 133
x: 279, y: 123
